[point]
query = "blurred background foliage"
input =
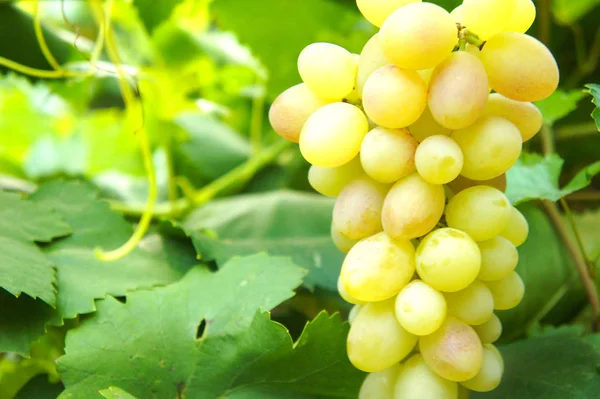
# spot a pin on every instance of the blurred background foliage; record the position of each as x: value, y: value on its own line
x: 206, y: 72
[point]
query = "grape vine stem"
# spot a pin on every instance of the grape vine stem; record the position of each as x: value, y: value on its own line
x: 576, y: 249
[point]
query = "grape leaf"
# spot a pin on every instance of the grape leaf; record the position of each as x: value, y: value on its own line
x: 558, y: 366
x: 116, y: 393
x: 286, y: 27
x: 560, y: 104
x: 536, y: 177
x: 567, y: 12
x: 39, y: 388
x: 81, y: 276
x: 548, y: 273
x: 594, y: 90
x: 22, y: 321
x: 148, y: 345
x: 23, y: 267
x: 281, y: 223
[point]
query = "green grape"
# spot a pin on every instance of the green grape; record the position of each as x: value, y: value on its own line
x: 417, y: 381
x: 387, y: 155
x: 393, y: 97
x: 491, y: 147
x: 342, y: 243
x: 291, y: 110
x: 377, y: 11
x: 357, y: 210
x: 331, y: 181
x: 522, y: 17
x: 353, y: 312
x: 458, y: 91
x: 420, y: 309
x: 517, y: 229
x: 418, y: 36
x: 439, y: 160
x: 379, y: 385
x: 499, y: 257
x: 490, y: 331
x: 426, y: 126
x: 491, y: 372
x: 474, y: 305
x: 462, y: 183
x: 481, y: 211
x: 345, y: 296
x: 448, y: 260
x: 331, y: 136
x: 371, y: 59
x: 525, y: 116
x: 454, y: 351
x: 520, y: 67
x: 412, y: 207
x: 457, y: 14
x: 328, y: 69
x: 377, y: 268
x: 376, y: 341
x: 508, y: 292
x: 487, y: 17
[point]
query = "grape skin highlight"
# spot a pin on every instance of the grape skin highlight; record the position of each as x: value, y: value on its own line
x: 520, y: 67
x: 458, y: 91
x: 357, y: 210
x: 424, y: 200
x: 377, y: 268
x: 291, y: 109
x: 417, y: 380
x: 418, y: 36
x: 377, y: 11
x: 420, y: 309
x: 328, y: 70
x: 490, y: 147
x: 376, y: 341
x: 454, y: 351
x: 481, y: 211
x: 387, y: 155
x: 439, y: 160
x: 332, y: 136
x: 448, y: 260
x: 394, y: 98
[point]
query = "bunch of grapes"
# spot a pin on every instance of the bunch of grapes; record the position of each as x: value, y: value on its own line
x: 414, y: 137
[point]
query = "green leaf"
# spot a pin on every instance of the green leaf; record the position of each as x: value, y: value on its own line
x: 548, y: 273
x: 23, y: 267
x: 536, y: 177
x: 82, y: 277
x: 40, y: 388
x: 210, y: 149
x: 567, y: 12
x: 149, y: 344
x: 116, y: 393
x: 281, y: 223
x: 22, y: 321
x: 560, y: 104
x: 265, y: 363
x: 153, y: 13
x: 562, y: 366
x: 594, y: 90
x: 286, y: 27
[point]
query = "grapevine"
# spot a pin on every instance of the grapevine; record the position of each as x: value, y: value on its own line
x: 414, y: 137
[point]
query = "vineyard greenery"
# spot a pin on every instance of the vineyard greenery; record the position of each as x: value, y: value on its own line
x: 162, y: 235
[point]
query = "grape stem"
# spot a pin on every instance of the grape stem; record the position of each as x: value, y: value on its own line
x: 466, y: 36
x: 576, y: 249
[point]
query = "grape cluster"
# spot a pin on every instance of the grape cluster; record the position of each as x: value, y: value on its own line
x: 414, y: 137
